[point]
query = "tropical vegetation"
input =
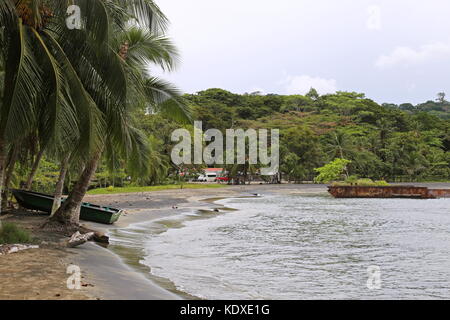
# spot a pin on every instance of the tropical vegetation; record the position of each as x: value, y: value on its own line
x: 11, y: 233
x: 72, y: 97
x: 382, y: 142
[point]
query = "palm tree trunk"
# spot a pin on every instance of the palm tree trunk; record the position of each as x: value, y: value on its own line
x: 69, y: 212
x: 34, y: 169
x: 2, y: 168
x: 60, y: 185
x: 8, y: 176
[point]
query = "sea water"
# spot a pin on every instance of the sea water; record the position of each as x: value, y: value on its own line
x: 302, y: 247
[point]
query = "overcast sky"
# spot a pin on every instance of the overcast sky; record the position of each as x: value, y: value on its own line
x: 393, y: 51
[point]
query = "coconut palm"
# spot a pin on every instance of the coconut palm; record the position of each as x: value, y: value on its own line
x: 65, y: 85
x: 116, y: 77
x: 42, y: 93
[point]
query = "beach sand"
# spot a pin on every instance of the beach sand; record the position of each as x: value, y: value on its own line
x: 39, y: 274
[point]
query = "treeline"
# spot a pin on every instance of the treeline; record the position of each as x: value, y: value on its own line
x: 382, y: 141
x: 396, y: 143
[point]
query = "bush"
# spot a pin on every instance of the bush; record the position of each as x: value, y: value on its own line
x: 331, y: 171
x: 361, y: 182
x: 381, y: 183
x: 365, y: 182
x: 110, y: 189
x: 352, y: 179
x: 12, y: 234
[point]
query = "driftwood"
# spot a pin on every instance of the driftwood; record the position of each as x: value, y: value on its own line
x: 98, y: 236
x: 77, y: 239
x: 12, y: 248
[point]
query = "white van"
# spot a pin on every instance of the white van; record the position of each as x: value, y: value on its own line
x: 209, y: 177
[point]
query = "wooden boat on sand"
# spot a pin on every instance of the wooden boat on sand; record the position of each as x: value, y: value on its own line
x: 44, y: 202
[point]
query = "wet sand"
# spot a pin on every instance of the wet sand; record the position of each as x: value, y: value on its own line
x: 113, y: 279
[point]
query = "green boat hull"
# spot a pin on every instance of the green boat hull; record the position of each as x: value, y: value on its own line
x: 89, y: 212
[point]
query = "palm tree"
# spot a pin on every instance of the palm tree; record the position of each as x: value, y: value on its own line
x: 341, y: 145
x: 42, y: 93
x: 66, y: 85
x: 120, y: 85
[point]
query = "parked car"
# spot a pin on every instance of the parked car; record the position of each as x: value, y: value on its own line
x: 209, y: 177
x: 201, y: 178
x: 223, y: 179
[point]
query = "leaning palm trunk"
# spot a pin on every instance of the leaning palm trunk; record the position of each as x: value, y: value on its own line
x: 34, y: 169
x: 69, y: 212
x: 9, y: 173
x: 2, y: 169
x: 60, y: 185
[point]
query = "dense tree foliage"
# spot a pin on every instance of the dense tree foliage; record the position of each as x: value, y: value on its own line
x: 397, y: 143
x: 381, y: 141
x: 76, y: 93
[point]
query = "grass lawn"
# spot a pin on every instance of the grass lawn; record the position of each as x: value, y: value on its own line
x: 155, y: 188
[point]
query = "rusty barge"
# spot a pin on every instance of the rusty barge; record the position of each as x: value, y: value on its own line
x: 409, y: 192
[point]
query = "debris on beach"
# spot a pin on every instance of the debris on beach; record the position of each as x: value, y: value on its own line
x: 78, y: 239
x: 99, y: 237
x: 13, y: 248
x: 87, y: 285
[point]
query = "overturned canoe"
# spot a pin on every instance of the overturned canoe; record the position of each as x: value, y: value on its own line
x: 44, y: 202
x: 410, y: 192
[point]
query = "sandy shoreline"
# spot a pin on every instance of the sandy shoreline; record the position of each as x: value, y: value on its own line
x: 41, y: 273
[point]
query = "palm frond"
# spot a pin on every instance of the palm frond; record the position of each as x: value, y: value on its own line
x: 57, y: 118
x: 8, y: 17
x: 23, y: 86
x: 165, y: 98
x: 89, y: 117
x: 145, y: 48
x: 148, y: 14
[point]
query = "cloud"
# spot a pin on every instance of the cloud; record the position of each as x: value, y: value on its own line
x: 302, y: 84
x: 374, y: 19
x: 407, y: 56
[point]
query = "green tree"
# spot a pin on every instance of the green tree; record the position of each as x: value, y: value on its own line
x: 441, y: 97
x: 313, y: 94
x: 332, y: 171
x: 41, y: 91
x: 120, y: 86
x: 302, y: 142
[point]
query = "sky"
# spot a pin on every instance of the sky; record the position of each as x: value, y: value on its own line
x: 394, y: 51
